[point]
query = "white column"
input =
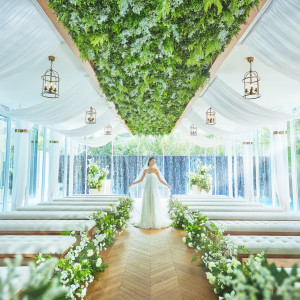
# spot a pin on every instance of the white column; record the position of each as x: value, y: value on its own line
x: 248, y: 170
x: 257, y: 167
x: 71, y: 171
x: 280, y: 166
x: 20, y: 163
x: 235, y: 171
x: 53, y: 165
x: 294, y: 165
x: 229, y: 164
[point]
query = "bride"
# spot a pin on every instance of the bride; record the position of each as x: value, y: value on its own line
x: 152, y: 214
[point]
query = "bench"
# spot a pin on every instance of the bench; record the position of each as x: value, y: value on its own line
x: 45, y: 215
x: 63, y: 207
x: 235, y: 208
x: 258, y: 227
x: 273, y: 246
x: 220, y: 203
x: 79, y: 202
x: 46, y: 227
x: 263, y: 216
x: 30, y: 245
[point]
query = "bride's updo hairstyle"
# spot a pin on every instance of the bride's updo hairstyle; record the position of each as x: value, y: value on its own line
x: 150, y: 160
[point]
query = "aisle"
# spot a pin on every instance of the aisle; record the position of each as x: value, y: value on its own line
x: 151, y: 264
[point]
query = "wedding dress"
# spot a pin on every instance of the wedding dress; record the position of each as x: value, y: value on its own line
x: 153, y: 212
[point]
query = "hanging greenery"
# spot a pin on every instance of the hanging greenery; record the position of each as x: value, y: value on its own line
x: 151, y: 56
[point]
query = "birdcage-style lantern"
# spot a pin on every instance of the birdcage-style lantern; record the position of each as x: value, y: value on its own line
x: 210, y: 117
x: 90, y: 116
x: 193, y: 130
x: 251, y: 83
x: 50, y: 87
x: 108, y: 130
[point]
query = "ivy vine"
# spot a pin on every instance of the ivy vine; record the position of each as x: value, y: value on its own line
x: 151, y: 56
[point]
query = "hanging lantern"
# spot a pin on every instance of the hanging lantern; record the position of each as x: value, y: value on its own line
x: 50, y: 87
x: 193, y: 130
x: 90, y: 116
x: 251, y: 83
x: 210, y: 117
x: 108, y: 130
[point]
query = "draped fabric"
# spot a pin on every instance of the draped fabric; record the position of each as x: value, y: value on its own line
x: 275, y: 39
x: 25, y: 38
x: 21, y: 146
x: 280, y: 169
x: 98, y: 141
x: 200, y: 140
x: 194, y: 118
x: 53, y: 111
x: 89, y: 129
x: 248, y: 169
x: 53, y: 165
x: 231, y: 105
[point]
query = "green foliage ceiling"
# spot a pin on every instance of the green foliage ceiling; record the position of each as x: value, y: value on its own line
x: 151, y: 56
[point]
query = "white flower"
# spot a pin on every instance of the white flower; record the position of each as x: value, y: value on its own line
x: 77, y: 265
x: 99, y: 262
x: 190, y: 244
x: 184, y: 239
x: 211, y: 278
x: 90, y: 252
x: 211, y: 265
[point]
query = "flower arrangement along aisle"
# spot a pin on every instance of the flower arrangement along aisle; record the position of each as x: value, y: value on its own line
x: 232, y: 280
x: 83, y: 263
x: 201, y: 181
x: 96, y: 176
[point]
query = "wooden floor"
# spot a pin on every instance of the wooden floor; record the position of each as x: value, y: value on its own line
x: 150, y: 264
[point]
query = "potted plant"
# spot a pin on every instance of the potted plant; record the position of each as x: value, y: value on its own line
x: 201, y: 181
x: 96, y: 177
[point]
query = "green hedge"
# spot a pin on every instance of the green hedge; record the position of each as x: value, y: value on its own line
x: 151, y: 56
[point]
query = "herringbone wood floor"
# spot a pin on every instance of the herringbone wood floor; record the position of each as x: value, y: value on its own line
x: 150, y: 264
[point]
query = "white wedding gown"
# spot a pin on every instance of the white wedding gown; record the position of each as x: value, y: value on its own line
x: 154, y: 213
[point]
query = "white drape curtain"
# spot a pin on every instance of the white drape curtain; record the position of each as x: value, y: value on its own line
x: 102, y: 120
x: 197, y: 120
x: 20, y: 171
x: 275, y: 39
x: 200, y: 140
x: 53, y: 165
x: 248, y: 168
x: 22, y: 22
x: 231, y: 105
x: 51, y: 112
x: 280, y: 166
x: 98, y: 141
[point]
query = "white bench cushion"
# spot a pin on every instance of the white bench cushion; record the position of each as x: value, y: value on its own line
x: 33, y: 244
x: 46, y: 225
x: 234, y: 208
x: 45, y: 215
x: 63, y: 207
x: 220, y: 203
x: 259, y: 226
x: 278, y: 216
x: 289, y: 245
x: 84, y: 203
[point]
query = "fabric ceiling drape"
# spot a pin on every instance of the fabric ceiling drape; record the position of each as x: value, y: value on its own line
x: 51, y: 112
x: 275, y: 39
x: 22, y: 22
x: 231, y: 105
